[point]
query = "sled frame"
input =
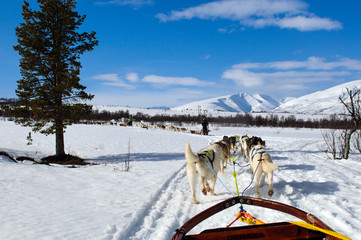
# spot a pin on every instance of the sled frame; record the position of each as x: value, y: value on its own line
x: 282, y: 230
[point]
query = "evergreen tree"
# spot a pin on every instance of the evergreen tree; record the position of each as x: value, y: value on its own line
x: 49, y: 44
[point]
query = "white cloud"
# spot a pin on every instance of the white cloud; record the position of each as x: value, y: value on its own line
x: 137, y: 3
x: 291, y: 74
x: 238, y: 9
x: 243, y: 77
x: 132, y: 77
x: 313, y: 63
x: 133, y: 80
x: 301, y: 76
x: 112, y: 79
x: 162, y: 81
x: 303, y: 23
x: 107, y: 77
x: 173, y: 97
x: 292, y: 87
x: 291, y: 14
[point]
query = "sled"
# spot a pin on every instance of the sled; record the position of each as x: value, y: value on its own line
x: 271, y: 231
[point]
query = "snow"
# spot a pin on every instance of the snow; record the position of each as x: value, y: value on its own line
x: 152, y: 199
x: 321, y: 102
x: 242, y: 102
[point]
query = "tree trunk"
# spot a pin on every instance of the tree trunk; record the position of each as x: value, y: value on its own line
x: 59, y: 142
x: 347, y: 143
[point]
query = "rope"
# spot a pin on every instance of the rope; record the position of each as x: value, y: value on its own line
x: 328, y: 232
x: 259, y: 162
x: 242, y: 215
x: 218, y: 177
x: 247, y: 218
x: 235, y: 178
x: 239, y: 165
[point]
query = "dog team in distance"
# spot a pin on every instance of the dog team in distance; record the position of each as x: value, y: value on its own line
x: 206, y: 164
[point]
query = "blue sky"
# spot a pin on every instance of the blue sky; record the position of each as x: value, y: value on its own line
x: 168, y: 53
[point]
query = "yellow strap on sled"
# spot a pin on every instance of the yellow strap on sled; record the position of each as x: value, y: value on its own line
x: 249, y: 219
x: 328, y: 232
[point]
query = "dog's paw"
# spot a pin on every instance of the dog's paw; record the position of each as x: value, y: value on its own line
x: 204, y: 191
x: 195, y: 202
x: 208, y: 189
x: 270, y: 193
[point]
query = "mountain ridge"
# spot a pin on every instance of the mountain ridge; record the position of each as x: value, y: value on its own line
x: 241, y: 102
x: 320, y: 102
x: 324, y: 102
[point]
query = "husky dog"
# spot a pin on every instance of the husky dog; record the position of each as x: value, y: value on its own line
x: 244, y: 147
x: 261, y: 165
x: 234, y: 140
x: 226, y: 145
x: 206, y: 164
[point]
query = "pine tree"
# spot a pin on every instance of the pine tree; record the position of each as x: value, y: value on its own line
x: 49, y: 44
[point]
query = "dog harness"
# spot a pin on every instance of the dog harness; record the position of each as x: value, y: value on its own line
x: 256, y: 151
x: 207, y: 154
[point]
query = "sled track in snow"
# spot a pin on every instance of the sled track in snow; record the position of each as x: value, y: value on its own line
x: 166, y: 210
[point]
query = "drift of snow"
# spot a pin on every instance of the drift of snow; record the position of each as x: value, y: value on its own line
x: 153, y: 198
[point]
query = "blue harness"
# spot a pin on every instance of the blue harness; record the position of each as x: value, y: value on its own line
x: 206, y: 154
x: 256, y: 151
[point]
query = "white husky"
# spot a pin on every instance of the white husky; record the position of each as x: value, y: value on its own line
x: 244, y: 148
x: 261, y: 164
x: 206, y: 164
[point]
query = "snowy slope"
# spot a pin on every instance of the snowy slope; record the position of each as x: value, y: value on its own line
x: 242, y: 102
x: 153, y: 198
x: 321, y: 102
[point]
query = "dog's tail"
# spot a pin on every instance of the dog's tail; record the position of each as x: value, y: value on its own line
x: 190, y: 156
x: 269, y: 166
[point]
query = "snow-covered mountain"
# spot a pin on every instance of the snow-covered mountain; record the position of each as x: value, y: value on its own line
x: 242, y: 102
x: 320, y: 102
x: 323, y: 102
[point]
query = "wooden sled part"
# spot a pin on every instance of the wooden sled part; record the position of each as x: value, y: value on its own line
x: 272, y: 231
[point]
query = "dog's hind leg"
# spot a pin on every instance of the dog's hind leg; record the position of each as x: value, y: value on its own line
x: 204, y: 185
x: 263, y: 176
x: 192, y: 183
x: 222, y: 165
x: 257, y: 176
x: 208, y: 189
x: 270, y: 184
x: 213, y: 180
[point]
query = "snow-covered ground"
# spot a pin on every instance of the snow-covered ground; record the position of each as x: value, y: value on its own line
x: 153, y: 198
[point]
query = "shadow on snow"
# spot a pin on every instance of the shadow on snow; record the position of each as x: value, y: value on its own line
x: 139, y: 157
x: 308, y: 188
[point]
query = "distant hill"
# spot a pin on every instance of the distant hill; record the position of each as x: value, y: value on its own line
x: 321, y: 102
x: 8, y: 101
x: 318, y: 103
x: 242, y: 102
